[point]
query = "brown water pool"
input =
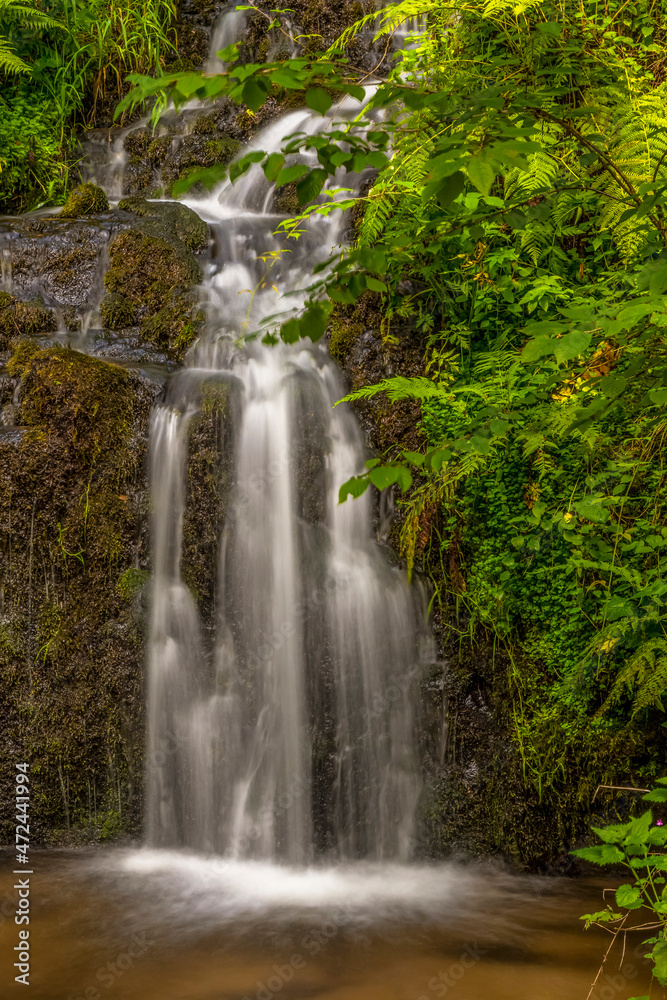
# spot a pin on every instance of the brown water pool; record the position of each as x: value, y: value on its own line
x: 144, y: 925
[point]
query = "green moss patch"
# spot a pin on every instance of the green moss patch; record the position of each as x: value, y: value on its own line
x: 23, y: 319
x: 156, y: 278
x: 71, y: 648
x: 86, y: 199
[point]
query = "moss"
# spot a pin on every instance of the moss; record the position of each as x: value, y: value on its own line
x: 205, y: 125
x: 209, y: 448
x: 132, y: 582
x: 222, y: 149
x: 344, y: 332
x: 70, y: 508
x: 171, y: 219
x: 157, y: 278
x: 112, y: 826
x: 137, y: 142
x: 19, y: 363
x: 86, y: 199
x: 286, y: 201
x: 80, y: 397
x: 19, y: 318
x: 116, y: 312
x: 159, y: 149
x: 173, y: 325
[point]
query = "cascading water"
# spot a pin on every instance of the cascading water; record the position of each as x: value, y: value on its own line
x: 284, y: 730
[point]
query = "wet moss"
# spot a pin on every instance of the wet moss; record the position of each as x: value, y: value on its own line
x: 173, y: 220
x: 137, y: 142
x: 72, y: 501
x: 159, y: 149
x: 205, y: 125
x: 222, y: 149
x: 344, y: 331
x: 157, y: 278
x: 116, y: 312
x: 19, y: 319
x: 210, y: 445
x: 86, y: 199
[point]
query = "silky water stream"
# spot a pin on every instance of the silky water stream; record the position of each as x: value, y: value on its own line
x: 282, y: 777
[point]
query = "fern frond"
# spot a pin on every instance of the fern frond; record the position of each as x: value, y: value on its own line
x: 28, y: 16
x: 9, y: 61
x: 636, y: 133
x: 397, y: 388
x: 645, y: 674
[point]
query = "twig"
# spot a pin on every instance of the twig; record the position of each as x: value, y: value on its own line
x: 620, y: 788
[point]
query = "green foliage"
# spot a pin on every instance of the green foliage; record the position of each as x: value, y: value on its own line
x: 639, y: 846
x: 55, y: 70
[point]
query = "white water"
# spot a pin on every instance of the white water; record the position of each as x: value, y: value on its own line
x: 226, y: 31
x: 287, y: 731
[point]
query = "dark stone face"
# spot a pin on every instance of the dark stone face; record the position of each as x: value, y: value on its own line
x: 73, y: 564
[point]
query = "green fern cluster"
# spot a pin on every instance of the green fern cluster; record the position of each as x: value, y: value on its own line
x: 20, y: 16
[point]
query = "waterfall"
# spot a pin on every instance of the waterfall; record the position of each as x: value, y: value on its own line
x: 280, y: 709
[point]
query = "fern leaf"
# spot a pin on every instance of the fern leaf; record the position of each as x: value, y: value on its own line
x: 9, y: 61
x: 396, y: 389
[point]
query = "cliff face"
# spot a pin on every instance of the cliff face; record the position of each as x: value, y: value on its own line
x: 73, y: 505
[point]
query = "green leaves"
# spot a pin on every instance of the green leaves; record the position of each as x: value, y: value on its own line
x: 481, y: 173
x: 318, y: 100
x: 602, y: 854
x: 629, y: 897
x: 309, y: 188
x: 312, y: 323
x: 383, y: 476
x: 289, y: 174
x: 564, y: 348
x: 353, y: 487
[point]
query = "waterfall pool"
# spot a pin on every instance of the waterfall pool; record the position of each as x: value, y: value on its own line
x: 160, y: 925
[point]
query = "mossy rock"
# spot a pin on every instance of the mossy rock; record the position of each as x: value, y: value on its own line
x: 285, y: 200
x: 132, y: 582
x: 170, y: 218
x: 116, y: 312
x: 343, y: 335
x: 71, y: 489
x: 205, y: 125
x: 146, y: 268
x: 137, y: 142
x: 79, y: 397
x: 19, y: 318
x: 223, y: 149
x: 157, y: 279
x: 159, y: 149
x: 86, y: 199
x: 175, y: 325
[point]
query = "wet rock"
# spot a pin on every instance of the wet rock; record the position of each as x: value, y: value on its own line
x: 73, y: 511
x: 170, y: 218
x: 60, y: 259
x: 140, y: 178
x: 157, y: 278
x: 22, y: 319
x: 86, y: 199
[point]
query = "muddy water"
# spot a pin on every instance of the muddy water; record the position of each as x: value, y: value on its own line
x: 146, y: 925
